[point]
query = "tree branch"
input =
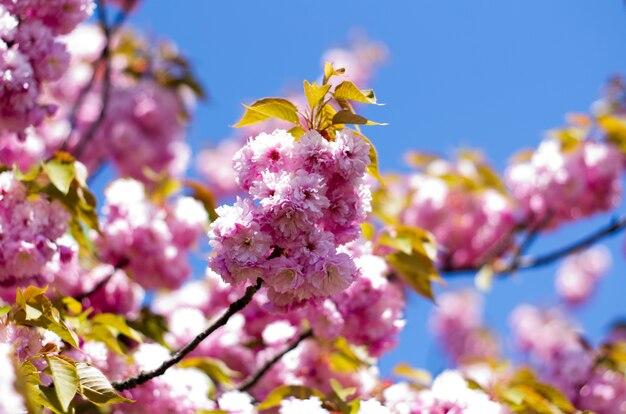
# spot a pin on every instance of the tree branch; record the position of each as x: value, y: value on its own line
x: 531, y: 262
x: 235, y: 307
x: 104, y: 56
x: 106, y: 82
x: 250, y: 382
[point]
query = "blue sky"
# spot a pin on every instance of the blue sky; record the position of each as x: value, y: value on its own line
x: 487, y: 74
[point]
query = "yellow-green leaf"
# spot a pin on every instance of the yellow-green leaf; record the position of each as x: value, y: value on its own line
x: 267, y: 108
x: 48, y: 398
x: 315, y: 93
x: 204, y: 195
x: 95, y: 387
x: 330, y: 71
x: 415, y: 375
x: 61, y: 173
x: 297, y: 132
x: 345, y: 116
x: 348, y: 91
x: 217, y: 370
x: 118, y: 323
x: 342, y: 393
x: 417, y: 270
x: 35, y: 309
x: 372, y: 168
x: 72, y: 305
x: 65, y: 379
x: 298, y: 391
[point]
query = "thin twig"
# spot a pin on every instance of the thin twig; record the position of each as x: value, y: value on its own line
x: 615, y: 226
x: 250, y: 382
x: 118, y: 266
x: 106, y: 82
x: 234, y: 307
x: 104, y: 55
x: 530, y: 238
x: 531, y: 262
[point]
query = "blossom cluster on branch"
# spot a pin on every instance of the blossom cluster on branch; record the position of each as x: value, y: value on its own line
x: 308, y: 260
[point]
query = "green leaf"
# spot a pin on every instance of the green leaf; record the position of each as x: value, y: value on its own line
x: 72, y: 305
x: 345, y: 116
x: 4, y: 310
x: 420, y: 159
x: 151, y: 325
x: 344, y: 358
x: 340, y: 391
x: 217, y: 370
x: 416, y: 270
x: 297, y: 132
x: 65, y: 379
x: 315, y: 93
x: 330, y: 71
x: 348, y: 91
x: 417, y: 376
x: 285, y: 391
x: 118, y: 323
x: 204, y: 195
x: 48, y: 398
x: 372, y: 168
x: 61, y: 173
x: 413, y: 260
x: 267, y: 108
x: 33, y: 308
x: 368, y: 230
x: 95, y: 387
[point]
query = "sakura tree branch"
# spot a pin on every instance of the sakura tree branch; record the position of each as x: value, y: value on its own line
x: 530, y: 262
x: 234, y: 307
x: 251, y: 382
x: 613, y: 227
x: 106, y: 83
x: 530, y: 238
x: 118, y: 266
x: 104, y: 57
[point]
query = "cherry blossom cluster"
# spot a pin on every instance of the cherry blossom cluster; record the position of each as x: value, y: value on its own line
x: 309, y: 198
x: 449, y: 393
x: 143, y: 129
x: 153, y: 240
x: 31, y: 55
x: 257, y: 334
x: 178, y: 391
x: 579, y: 274
x: 561, y: 183
x: 30, y: 229
x: 470, y: 218
x: 360, y: 60
x: 457, y: 324
x: 369, y: 312
x: 565, y: 362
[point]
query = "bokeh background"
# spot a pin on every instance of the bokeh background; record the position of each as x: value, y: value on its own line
x: 472, y: 74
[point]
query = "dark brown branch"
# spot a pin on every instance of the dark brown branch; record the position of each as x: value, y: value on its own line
x: 615, y: 226
x: 106, y: 82
x: 119, y: 265
x: 531, y: 262
x: 250, y: 382
x: 235, y: 307
x: 104, y: 55
x: 529, y: 239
